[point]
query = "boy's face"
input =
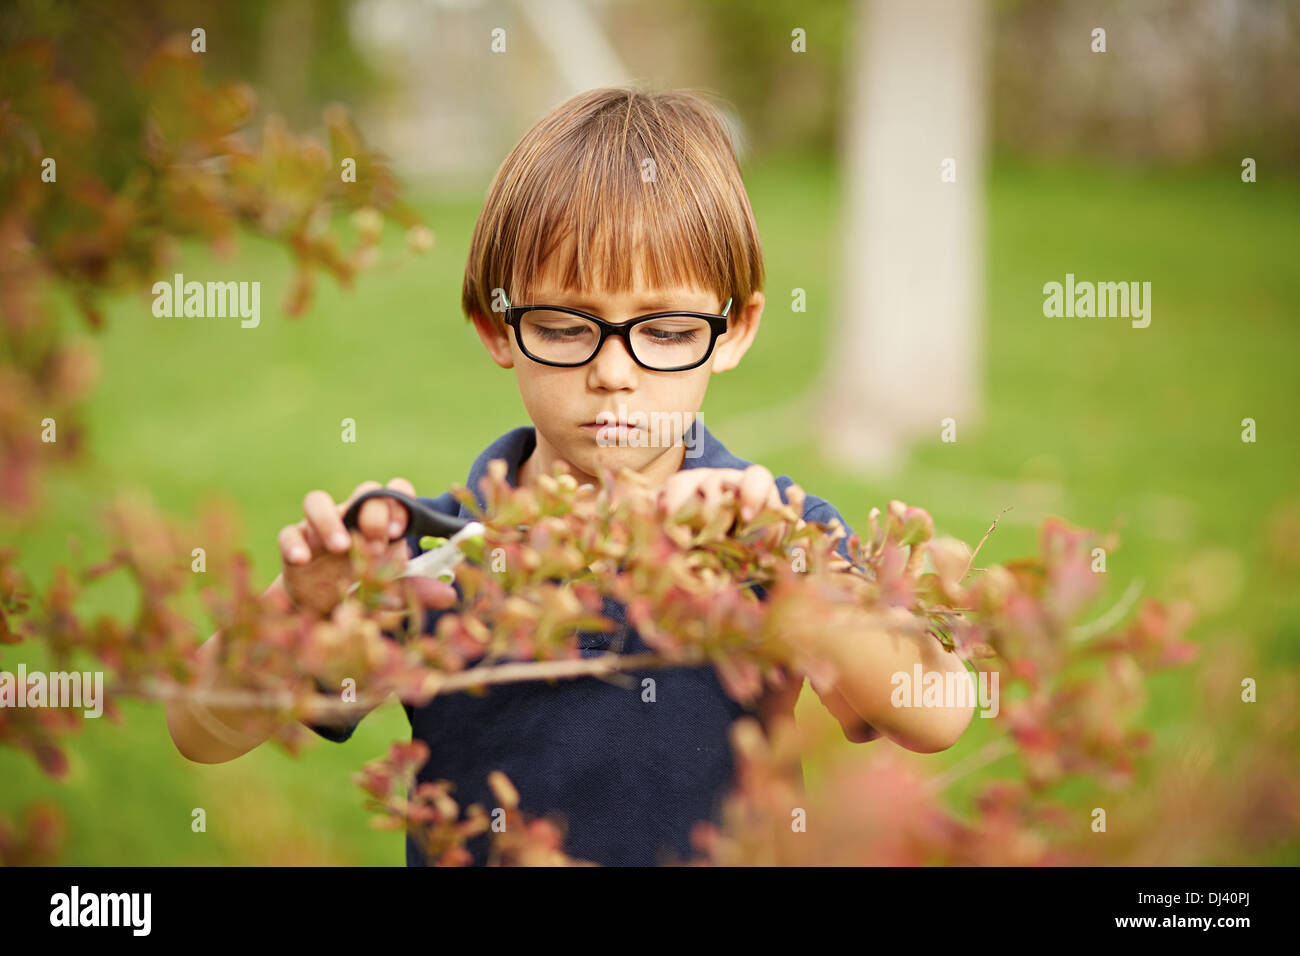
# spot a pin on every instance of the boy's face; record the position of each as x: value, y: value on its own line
x: 566, y: 403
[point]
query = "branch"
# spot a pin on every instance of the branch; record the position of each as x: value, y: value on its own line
x: 329, y: 704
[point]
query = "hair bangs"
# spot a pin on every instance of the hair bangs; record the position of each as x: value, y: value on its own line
x: 613, y: 190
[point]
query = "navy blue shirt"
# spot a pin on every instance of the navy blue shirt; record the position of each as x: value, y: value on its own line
x: 627, y: 779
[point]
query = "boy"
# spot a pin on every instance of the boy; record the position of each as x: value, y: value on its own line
x: 617, y: 206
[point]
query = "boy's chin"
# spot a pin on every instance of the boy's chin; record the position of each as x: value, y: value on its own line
x: 593, y: 458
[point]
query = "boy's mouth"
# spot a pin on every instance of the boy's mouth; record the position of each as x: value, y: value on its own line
x: 596, y: 426
x: 610, y: 428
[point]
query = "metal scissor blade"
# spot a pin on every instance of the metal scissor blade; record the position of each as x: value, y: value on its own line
x: 440, y: 562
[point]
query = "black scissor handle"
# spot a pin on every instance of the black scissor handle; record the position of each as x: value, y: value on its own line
x: 421, y: 520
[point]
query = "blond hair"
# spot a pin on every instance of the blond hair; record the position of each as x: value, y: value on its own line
x: 621, y: 173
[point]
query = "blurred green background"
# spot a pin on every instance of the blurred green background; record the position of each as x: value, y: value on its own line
x: 1138, y: 432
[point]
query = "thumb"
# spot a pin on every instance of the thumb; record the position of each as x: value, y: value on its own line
x: 435, y: 594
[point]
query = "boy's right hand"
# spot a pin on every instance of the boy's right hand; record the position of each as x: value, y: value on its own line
x: 315, y: 552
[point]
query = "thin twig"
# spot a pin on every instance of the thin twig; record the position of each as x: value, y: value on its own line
x: 992, y: 751
x: 971, y: 563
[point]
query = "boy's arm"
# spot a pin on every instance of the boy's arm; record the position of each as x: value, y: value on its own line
x: 866, y: 665
x: 862, y: 698
x: 317, y: 568
x: 856, y: 730
x: 212, y: 734
x: 779, y: 701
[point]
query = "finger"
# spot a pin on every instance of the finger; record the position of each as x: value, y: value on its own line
x: 397, y: 516
x: 757, y: 486
x: 795, y: 496
x: 712, y: 491
x: 293, y: 545
x: 372, y: 522
x: 679, y: 488
x: 357, y: 492
x: 372, y: 519
x: 323, y: 515
x: 314, y: 542
x: 435, y: 594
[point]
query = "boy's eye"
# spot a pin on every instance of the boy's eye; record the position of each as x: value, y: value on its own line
x: 684, y: 336
x: 566, y: 333
x: 670, y: 337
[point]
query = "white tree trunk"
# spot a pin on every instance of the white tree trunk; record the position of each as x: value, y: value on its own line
x: 908, y: 313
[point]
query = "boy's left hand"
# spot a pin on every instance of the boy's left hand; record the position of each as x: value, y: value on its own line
x: 756, y: 487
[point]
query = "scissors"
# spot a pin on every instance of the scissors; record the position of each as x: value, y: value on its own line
x: 421, y: 521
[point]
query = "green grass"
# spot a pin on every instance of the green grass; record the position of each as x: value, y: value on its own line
x: 1110, y: 426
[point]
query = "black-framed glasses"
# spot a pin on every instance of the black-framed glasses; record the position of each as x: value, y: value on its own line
x: 661, y: 341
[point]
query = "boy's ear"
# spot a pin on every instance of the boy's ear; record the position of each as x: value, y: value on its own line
x: 741, y: 329
x: 495, y: 337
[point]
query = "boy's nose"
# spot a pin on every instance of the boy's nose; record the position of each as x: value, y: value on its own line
x: 613, y: 366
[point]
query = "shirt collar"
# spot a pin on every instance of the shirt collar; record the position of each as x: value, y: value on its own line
x: 702, y: 451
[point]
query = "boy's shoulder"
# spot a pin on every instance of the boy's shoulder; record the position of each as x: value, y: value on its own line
x: 444, y: 503
x: 818, y: 510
